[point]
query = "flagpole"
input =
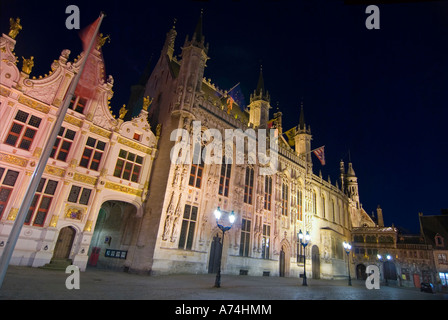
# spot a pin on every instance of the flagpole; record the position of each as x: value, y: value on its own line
x: 302, y: 154
x: 40, y: 167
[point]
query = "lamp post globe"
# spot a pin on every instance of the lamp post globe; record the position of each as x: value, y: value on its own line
x: 231, y: 220
x: 304, y: 240
x: 347, y: 248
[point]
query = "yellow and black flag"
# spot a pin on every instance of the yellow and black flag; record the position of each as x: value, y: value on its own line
x: 290, y: 135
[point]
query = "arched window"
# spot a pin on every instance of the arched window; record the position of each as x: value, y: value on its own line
x: 285, y: 192
x: 323, y: 206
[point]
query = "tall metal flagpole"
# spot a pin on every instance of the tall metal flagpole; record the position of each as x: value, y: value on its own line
x: 37, y: 175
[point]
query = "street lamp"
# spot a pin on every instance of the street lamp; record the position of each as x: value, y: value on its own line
x: 304, y: 242
x: 223, y: 229
x: 348, y: 247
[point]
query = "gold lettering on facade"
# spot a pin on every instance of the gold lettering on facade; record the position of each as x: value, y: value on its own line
x: 13, y: 159
x: 83, y: 178
x: 121, y: 188
x: 34, y: 104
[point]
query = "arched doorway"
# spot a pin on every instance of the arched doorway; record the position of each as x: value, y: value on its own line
x: 115, y: 233
x: 215, y: 254
x: 390, y: 272
x: 361, y: 272
x: 315, y: 260
x: 64, y: 243
x: 282, y: 268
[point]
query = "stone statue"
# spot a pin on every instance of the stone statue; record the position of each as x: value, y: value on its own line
x: 27, y: 65
x: 14, y: 27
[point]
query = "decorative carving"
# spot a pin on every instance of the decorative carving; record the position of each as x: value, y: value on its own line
x: 27, y: 65
x: 13, y: 214
x: 121, y: 188
x: 14, y: 27
x: 146, y: 103
x: 83, y: 178
x: 34, y: 105
x: 13, y: 159
x: 102, y: 41
x: 88, y: 226
x: 123, y: 112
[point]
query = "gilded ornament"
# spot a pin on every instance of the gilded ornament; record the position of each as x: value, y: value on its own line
x: 123, y: 112
x: 27, y: 65
x: 102, y: 41
x: 14, y: 27
x: 146, y: 103
x: 88, y: 226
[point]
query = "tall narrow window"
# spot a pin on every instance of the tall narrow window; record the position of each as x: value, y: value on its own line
x: 23, y: 130
x: 299, y: 205
x: 285, y: 191
x: 188, y: 225
x: 265, y: 242
x: 224, y: 181
x: 7, y: 182
x: 245, y: 238
x: 41, y: 202
x: 78, y: 104
x: 92, y: 154
x: 249, y: 185
x: 197, y: 169
x: 323, y: 207
x: 267, y: 192
x: 63, y: 144
x: 314, y: 202
x: 333, y: 210
x: 128, y: 166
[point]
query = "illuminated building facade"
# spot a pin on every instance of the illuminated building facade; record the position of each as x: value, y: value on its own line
x: 99, y: 165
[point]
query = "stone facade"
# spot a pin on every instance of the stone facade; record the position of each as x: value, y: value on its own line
x: 96, y: 159
x: 181, y: 232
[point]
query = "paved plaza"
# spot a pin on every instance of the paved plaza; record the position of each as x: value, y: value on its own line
x: 25, y: 283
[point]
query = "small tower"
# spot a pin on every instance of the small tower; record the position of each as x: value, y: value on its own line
x: 193, y: 63
x: 352, y: 184
x: 379, y: 214
x: 342, y: 174
x: 259, y: 105
x: 303, y: 137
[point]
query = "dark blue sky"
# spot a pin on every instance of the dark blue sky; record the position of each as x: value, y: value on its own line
x: 382, y: 94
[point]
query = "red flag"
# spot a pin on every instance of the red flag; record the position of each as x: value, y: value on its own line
x: 89, y: 77
x: 320, y: 154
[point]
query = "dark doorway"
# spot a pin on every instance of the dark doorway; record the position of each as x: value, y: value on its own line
x: 215, y: 254
x: 315, y: 259
x: 64, y: 243
x: 282, y: 263
x: 390, y: 272
x: 361, y: 272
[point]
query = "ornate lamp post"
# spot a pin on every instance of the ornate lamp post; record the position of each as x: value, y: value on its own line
x: 304, y: 240
x: 223, y: 229
x: 348, y: 247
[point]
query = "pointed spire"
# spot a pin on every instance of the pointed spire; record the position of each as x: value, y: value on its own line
x: 197, y: 35
x: 260, y: 93
x: 260, y: 85
x: 302, y: 118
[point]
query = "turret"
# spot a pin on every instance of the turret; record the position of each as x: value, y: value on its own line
x: 259, y: 105
x: 303, y: 138
x: 192, y: 65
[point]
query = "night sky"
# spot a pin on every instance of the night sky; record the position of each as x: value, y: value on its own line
x: 379, y: 95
